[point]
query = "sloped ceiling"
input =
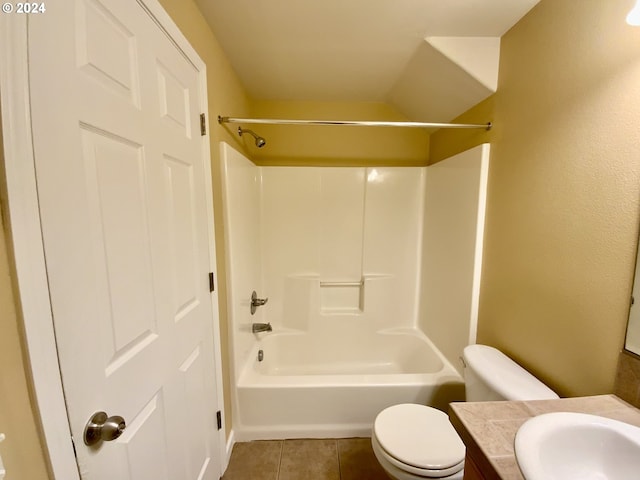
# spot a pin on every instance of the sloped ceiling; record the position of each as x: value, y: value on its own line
x: 367, y: 50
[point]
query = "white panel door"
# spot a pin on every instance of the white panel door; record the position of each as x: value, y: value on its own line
x: 123, y: 200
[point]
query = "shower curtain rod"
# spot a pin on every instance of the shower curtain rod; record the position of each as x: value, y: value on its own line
x: 357, y: 123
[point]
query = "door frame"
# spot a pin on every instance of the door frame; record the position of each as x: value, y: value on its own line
x: 21, y: 197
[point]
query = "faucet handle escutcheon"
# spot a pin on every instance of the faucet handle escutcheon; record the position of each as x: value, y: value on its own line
x: 257, y: 302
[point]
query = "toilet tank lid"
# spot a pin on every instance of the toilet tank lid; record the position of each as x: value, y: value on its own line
x: 505, y: 376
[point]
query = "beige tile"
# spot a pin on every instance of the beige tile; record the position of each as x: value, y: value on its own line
x: 357, y: 461
x: 627, y: 384
x: 491, y: 438
x: 309, y: 459
x: 508, y: 468
x: 627, y: 415
x: 254, y: 461
x: 504, y: 432
x: 593, y: 405
x: 477, y: 413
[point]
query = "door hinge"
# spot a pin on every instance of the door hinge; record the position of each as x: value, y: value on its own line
x: 219, y: 419
x: 203, y: 124
x: 212, y: 285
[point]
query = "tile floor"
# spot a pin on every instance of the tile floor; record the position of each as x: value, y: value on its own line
x: 308, y: 459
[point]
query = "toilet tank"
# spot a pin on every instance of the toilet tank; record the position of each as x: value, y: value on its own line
x: 490, y: 375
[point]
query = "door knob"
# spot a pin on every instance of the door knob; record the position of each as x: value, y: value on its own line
x: 102, y: 428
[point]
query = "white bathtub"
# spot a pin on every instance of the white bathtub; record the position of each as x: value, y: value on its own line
x: 334, y: 383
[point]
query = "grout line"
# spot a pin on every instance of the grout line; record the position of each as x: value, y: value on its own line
x: 338, y: 457
x: 280, y: 460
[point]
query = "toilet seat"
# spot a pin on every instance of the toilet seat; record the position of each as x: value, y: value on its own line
x: 401, y: 471
x: 419, y: 439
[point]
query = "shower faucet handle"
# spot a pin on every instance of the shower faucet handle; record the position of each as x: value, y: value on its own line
x: 257, y: 302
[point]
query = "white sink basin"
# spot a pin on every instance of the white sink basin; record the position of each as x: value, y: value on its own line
x: 576, y: 446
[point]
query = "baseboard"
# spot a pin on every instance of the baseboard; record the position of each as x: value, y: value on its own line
x: 248, y: 434
x: 231, y: 441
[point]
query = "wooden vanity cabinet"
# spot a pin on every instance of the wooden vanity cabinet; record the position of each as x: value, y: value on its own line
x: 471, y: 470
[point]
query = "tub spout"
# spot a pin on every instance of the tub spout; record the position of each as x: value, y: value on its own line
x: 261, y: 327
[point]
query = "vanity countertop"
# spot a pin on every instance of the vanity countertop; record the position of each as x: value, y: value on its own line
x: 488, y: 429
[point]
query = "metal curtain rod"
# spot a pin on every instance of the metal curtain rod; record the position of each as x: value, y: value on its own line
x: 356, y: 123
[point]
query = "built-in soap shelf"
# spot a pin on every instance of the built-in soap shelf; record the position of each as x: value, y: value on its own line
x: 342, y: 284
x: 310, y: 298
x: 342, y: 296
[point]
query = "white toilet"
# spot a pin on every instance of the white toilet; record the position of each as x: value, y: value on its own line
x: 414, y: 442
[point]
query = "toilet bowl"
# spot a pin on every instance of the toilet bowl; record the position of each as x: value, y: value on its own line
x: 413, y: 442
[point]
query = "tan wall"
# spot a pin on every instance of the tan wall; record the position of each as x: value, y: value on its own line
x: 446, y: 143
x: 22, y: 451
x: 226, y: 97
x: 564, y: 185
x: 335, y: 145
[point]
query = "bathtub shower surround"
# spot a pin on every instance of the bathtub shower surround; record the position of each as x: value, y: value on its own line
x: 340, y: 252
x: 455, y: 194
x: 327, y: 230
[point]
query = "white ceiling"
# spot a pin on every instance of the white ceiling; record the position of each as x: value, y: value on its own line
x: 343, y: 50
